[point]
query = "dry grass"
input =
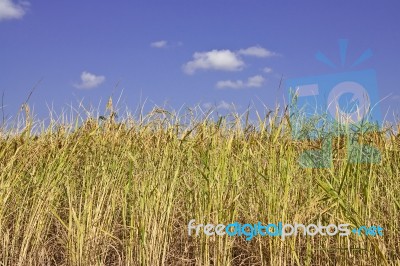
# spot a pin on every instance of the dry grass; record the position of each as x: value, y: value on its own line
x: 101, y: 192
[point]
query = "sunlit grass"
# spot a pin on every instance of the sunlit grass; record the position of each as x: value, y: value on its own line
x: 108, y: 191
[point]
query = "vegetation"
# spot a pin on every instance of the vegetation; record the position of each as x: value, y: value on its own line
x: 108, y: 191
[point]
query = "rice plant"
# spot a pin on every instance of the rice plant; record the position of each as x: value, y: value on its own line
x: 120, y: 190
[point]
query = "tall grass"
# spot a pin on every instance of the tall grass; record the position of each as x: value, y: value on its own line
x: 121, y: 192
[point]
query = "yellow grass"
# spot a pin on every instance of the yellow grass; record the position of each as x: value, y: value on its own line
x: 107, y: 192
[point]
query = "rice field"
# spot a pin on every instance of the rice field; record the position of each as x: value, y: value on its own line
x: 109, y: 190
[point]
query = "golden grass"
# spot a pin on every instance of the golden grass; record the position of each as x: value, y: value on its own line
x: 101, y: 192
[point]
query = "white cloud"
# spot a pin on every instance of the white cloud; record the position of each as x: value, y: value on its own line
x: 221, y: 105
x: 256, y: 81
x: 225, y: 105
x: 252, y: 82
x: 159, y: 44
x: 225, y: 60
x: 165, y: 44
x: 10, y: 10
x: 89, y: 81
x: 267, y: 70
x: 256, y: 51
x: 237, y: 84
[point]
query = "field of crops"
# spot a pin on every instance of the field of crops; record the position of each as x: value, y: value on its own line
x: 121, y: 191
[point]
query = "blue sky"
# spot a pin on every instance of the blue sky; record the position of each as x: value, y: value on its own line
x: 187, y: 52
